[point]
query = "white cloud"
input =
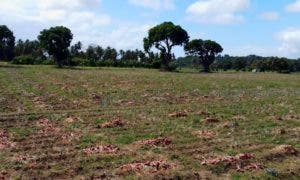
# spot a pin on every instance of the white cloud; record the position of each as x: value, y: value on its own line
x: 129, y: 36
x: 89, y: 26
x: 290, y: 42
x: 286, y: 44
x: 293, y: 7
x: 154, y: 4
x: 269, y: 16
x: 48, y: 10
x: 217, y: 11
x: 79, y: 15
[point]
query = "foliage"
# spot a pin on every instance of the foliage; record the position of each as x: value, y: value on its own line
x: 7, y: 43
x: 76, y: 50
x: 77, y: 61
x: 164, y: 37
x: 206, y: 51
x: 56, y: 41
x: 31, y: 48
x: 25, y: 60
x: 256, y: 63
x: 110, y: 54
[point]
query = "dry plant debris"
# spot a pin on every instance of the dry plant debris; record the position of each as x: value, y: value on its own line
x: 156, y: 142
x: 149, y: 166
x: 287, y: 117
x: 39, y: 103
x: 72, y: 119
x: 24, y: 159
x: 118, y: 122
x: 4, y: 140
x: 291, y: 117
x: 203, y: 113
x: 284, y: 150
x: 101, y: 149
x: 126, y: 103
x: 96, y: 97
x: 47, y: 126
x: 70, y: 136
x: 239, y: 162
x: 205, y: 134
x: 211, y: 120
x: 178, y: 114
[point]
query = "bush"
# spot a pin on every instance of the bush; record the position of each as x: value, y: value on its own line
x: 173, y: 66
x: 25, y: 60
x: 79, y: 62
x: 156, y: 64
x: 48, y: 62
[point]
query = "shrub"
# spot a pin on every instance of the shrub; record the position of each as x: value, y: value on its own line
x: 48, y: 62
x: 25, y: 60
x: 79, y: 62
x: 173, y: 66
x: 156, y: 64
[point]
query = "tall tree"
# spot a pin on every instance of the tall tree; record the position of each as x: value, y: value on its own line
x: 206, y: 51
x: 7, y: 43
x: 31, y: 48
x: 90, y: 53
x: 164, y: 37
x: 122, y: 54
x: 56, y: 42
x: 99, y: 52
x: 76, y: 49
x: 239, y: 64
x: 110, y: 54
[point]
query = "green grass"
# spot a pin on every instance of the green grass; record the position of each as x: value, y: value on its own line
x: 20, y: 133
x: 144, y: 98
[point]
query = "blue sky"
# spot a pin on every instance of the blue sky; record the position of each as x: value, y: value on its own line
x: 242, y: 27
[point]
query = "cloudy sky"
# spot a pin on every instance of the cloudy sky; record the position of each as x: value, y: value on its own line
x: 242, y: 27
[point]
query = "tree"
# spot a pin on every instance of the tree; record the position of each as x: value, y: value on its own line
x: 99, y: 52
x: 164, y: 37
x: 110, y: 54
x: 75, y: 50
x: 19, y: 48
x: 239, y: 64
x: 206, y: 51
x: 29, y: 48
x: 90, y: 53
x: 279, y: 64
x: 7, y: 43
x: 56, y: 41
x: 223, y: 63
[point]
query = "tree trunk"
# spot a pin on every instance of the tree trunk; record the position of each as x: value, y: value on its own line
x: 166, y: 59
x: 206, y: 62
x: 166, y: 56
x: 59, y: 62
x: 206, y: 68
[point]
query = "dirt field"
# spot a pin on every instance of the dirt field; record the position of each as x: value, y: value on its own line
x: 129, y: 123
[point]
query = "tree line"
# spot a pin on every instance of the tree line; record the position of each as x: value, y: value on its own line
x: 252, y: 63
x: 53, y: 46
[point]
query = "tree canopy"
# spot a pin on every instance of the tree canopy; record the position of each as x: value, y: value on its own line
x: 205, y: 50
x: 7, y: 43
x: 56, y: 41
x: 164, y: 37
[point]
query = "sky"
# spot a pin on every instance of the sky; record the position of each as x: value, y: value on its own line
x: 242, y: 27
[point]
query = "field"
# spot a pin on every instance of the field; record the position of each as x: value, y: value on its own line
x: 129, y: 123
